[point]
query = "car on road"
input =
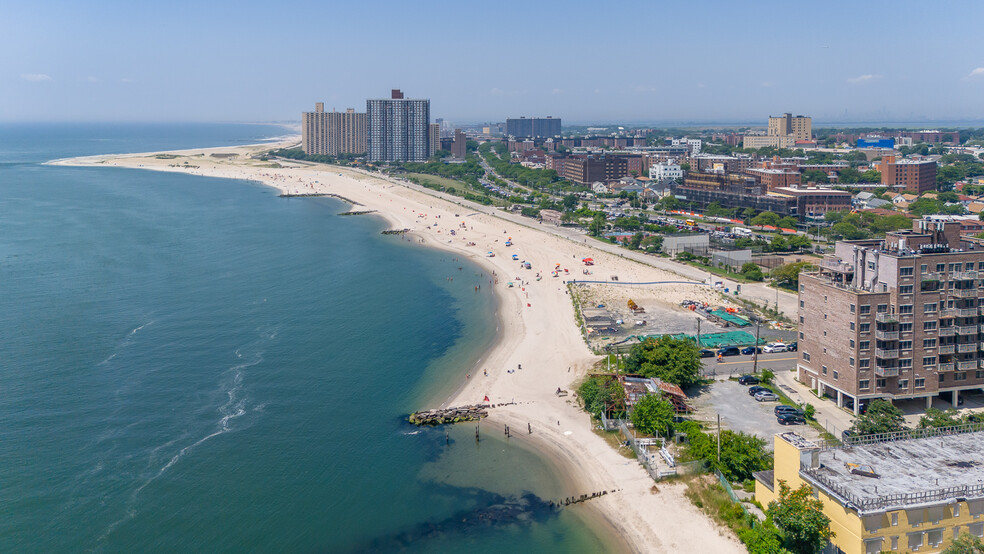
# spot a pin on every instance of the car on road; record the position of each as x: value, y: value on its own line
x: 784, y: 409
x: 752, y: 391
x: 705, y: 353
x: 792, y: 347
x: 790, y: 419
x: 748, y: 380
x: 766, y: 396
x: 750, y: 350
x: 774, y: 347
x: 729, y: 351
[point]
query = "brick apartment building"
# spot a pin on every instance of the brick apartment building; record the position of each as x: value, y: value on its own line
x: 896, y: 318
x: 916, y: 176
x: 933, y: 137
x: 774, y: 178
x: 585, y: 169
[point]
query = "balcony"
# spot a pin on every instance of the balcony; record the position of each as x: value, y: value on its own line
x: 887, y: 335
x: 963, y: 293
x: 970, y: 364
x: 965, y: 312
x: 964, y: 276
x: 948, y: 331
x: 885, y: 317
x: 947, y: 349
x: 967, y: 330
x: 883, y: 371
x: 947, y: 367
x: 887, y: 354
x: 946, y: 314
x: 967, y: 348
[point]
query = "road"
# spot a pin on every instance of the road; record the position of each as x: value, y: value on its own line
x: 733, y: 366
x: 755, y: 292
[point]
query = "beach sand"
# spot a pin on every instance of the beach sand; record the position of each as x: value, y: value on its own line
x: 536, y: 330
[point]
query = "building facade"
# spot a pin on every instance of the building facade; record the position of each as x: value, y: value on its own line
x: 533, y: 127
x: 783, y: 132
x: 333, y: 133
x: 399, y: 129
x: 894, y: 318
x: 916, y: 176
x: 662, y: 172
x: 897, y: 492
x: 460, y: 145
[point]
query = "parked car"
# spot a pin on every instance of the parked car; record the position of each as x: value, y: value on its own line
x: 784, y: 409
x: 729, y: 351
x: 766, y: 396
x: 750, y: 350
x: 791, y: 347
x: 752, y: 391
x: 705, y: 353
x: 748, y: 380
x: 774, y: 347
x: 790, y: 419
x: 847, y: 434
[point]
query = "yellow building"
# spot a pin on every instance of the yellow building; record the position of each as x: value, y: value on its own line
x: 888, y: 493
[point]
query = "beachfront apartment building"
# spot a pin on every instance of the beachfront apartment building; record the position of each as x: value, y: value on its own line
x: 333, y: 133
x: 912, y: 491
x: 399, y: 129
x: 895, y: 318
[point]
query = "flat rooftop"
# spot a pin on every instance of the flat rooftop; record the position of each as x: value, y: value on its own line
x: 911, y: 471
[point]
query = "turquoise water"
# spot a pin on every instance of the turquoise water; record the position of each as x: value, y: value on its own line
x: 193, y: 364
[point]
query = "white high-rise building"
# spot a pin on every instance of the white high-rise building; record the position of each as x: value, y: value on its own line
x: 399, y: 129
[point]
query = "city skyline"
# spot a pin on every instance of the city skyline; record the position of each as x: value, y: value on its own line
x: 727, y: 63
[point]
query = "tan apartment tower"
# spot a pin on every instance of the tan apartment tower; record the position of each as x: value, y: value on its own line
x: 333, y: 133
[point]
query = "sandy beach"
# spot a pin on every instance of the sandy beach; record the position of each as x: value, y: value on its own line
x: 539, y: 347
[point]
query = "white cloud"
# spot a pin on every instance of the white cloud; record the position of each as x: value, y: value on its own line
x: 126, y: 80
x: 866, y: 78
x: 977, y: 72
x: 35, y: 77
x: 768, y: 84
x: 496, y: 91
x: 92, y: 79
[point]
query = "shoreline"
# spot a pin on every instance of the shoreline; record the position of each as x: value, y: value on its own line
x: 536, y: 335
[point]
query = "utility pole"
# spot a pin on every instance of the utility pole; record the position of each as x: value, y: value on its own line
x: 698, y: 332
x: 755, y: 353
x: 719, y: 438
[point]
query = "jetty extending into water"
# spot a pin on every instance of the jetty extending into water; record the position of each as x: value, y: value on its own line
x: 444, y: 416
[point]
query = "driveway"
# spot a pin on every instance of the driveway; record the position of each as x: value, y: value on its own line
x: 741, y: 412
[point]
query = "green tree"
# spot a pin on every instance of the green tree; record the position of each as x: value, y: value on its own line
x: 569, y: 203
x: 965, y: 544
x: 849, y: 176
x: 787, y: 222
x: 741, y: 454
x: 849, y: 231
x: 653, y: 415
x: 673, y: 360
x: 800, y: 517
x: 870, y: 176
x: 766, y: 218
x: 809, y: 411
x: 939, y: 418
x: 597, y: 226
x: 787, y: 275
x: 602, y: 393
x: 814, y: 176
x: 747, y: 214
x: 762, y: 539
x: 768, y: 376
x: 752, y: 272
x: 881, y: 417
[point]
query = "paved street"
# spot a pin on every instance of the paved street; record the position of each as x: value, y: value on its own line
x: 734, y: 366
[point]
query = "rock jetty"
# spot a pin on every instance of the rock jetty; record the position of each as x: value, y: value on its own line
x: 443, y: 416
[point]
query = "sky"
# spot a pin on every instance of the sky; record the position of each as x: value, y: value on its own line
x: 585, y: 62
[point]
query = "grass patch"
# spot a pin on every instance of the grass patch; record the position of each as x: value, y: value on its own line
x: 614, y: 439
x: 705, y: 492
x: 457, y: 188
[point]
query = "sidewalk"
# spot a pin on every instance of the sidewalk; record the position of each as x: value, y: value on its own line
x: 832, y: 418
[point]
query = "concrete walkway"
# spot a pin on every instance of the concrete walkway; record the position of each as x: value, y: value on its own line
x: 834, y: 419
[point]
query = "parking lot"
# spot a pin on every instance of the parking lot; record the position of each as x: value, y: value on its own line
x: 741, y: 412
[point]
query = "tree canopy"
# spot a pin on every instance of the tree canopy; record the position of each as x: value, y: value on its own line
x: 673, y: 360
x: 881, y: 417
x: 787, y: 275
x: 741, y: 454
x: 800, y: 517
x: 602, y: 393
x: 653, y: 415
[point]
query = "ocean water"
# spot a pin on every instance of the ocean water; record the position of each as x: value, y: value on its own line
x: 193, y: 364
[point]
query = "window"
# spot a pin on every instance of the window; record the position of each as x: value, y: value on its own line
x: 903, y: 384
x: 920, y: 382
x: 976, y: 529
x: 929, y: 343
x: 850, y: 362
x: 865, y: 327
x: 864, y: 384
x: 905, y: 289
x: 835, y: 375
x: 905, y: 345
x: 979, y: 374
x: 934, y: 537
x: 801, y: 303
x: 806, y: 356
x: 824, y: 370
x: 905, y: 308
x: 929, y: 360
x: 880, y: 383
x: 801, y: 335
x: 942, y: 375
x: 825, y: 299
x: 905, y: 327
x: 864, y: 345
x: 851, y: 342
x: 940, y: 268
x: 895, y: 519
x: 929, y: 308
x: 905, y: 363
x: 960, y: 376
x: 852, y: 324
x: 929, y: 325
x: 882, y: 308
x: 801, y: 320
x: 915, y: 541
x: 864, y: 364
x: 956, y: 510
x: 895, y: 543
x: 865, y: 309
x: 852, y: 308
x: 916, y: 516
x: 906, y: 271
